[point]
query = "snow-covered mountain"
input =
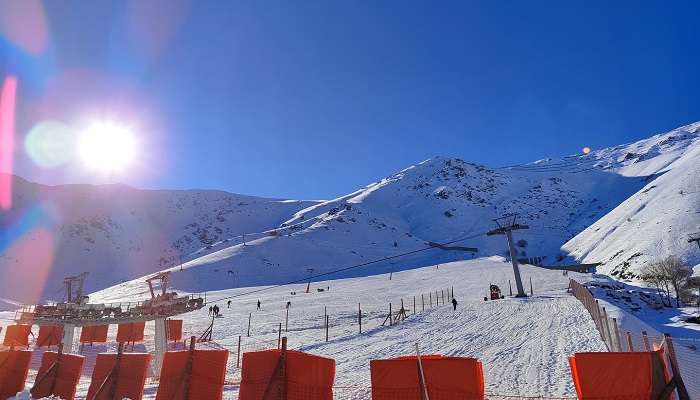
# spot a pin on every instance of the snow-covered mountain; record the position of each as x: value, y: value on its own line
x: 598, y: 206
x: 656, y: 221
x: 117, y: 232
x: 441, y: 200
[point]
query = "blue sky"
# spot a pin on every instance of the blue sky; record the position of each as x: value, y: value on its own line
x: 314, y: 99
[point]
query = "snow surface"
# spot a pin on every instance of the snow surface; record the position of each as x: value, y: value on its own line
x: 523, y: 343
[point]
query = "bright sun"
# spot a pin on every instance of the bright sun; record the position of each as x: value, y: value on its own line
x: 107, y: 146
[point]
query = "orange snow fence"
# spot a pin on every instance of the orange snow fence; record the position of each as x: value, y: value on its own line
x: 193, y: 374
x: 118, y: 376
x: 94, y: 334
x: 17, y: 335
x: 14, y: 366
x: 58, y: 375
x: 301, y: 376
x: 623, y: 375
x: 446, y: 378
x: 49, y: 335
x: 174, y: 329
x: 131, y: 332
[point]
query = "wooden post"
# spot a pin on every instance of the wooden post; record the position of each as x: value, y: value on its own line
x: 431, y: 299
x: 645, y: 339
x: 630, y: 346
x: 326, y: 328
x: 443, y: 296
x: 510, y: 288
x: 422, y: 302
x: 414, y: 304
x: 238, y: 353
x: 531, y: 292
x: 249, y: 316
x: 618, y: 342
x: 607, y: 331
x: 453, y: 292
x: 279, y: 336
x: 359, y: 316
x: 391, y: 320
x: 680, y: 386
x: 286, y: 321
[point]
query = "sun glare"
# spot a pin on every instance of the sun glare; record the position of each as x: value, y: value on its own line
x: 107, y: 146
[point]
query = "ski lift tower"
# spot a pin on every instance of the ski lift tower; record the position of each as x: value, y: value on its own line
x: 505, y: 226
x: 74, y: 288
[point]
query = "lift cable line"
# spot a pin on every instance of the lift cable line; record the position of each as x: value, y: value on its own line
x: 506, y: 226
x: 429, y: 247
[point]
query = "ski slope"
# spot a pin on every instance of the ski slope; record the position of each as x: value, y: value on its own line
x: 523, y: 343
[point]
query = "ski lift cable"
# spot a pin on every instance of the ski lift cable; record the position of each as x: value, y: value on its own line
x: 343, y: 269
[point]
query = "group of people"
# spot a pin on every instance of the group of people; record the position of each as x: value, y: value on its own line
x: 214, y: 310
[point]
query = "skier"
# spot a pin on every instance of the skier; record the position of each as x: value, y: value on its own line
x: 210, y: 310
x: 216, y: 310
x: 258, y: 304
x: 289, y: 304
x: 454, y: 304
x: 229, y: 304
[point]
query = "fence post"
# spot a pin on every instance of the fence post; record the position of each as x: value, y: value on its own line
x: 510, y: 288
x: 238, y: 353
x: 326, y: 328
x: 279, y: 336
x: 249, y: 315
x: 453, y: 292
x: 531, y: 292
x: 680, y: 386
x: 630, y: 346
x: 616, y: 331
x: 414, y: 304
x: 359, y: 316
x: 431, y: 299
x: 645, y: 339
x: 286, y: 321
x: 422, y: 302
x: 607, y: 331
x: 391, y: 319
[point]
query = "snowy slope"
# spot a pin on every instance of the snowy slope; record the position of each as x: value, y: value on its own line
x: 116, y: 232
x: 523, y: 343
x: 440, y: 200
x: 654, y: 222
x: 119, y: 233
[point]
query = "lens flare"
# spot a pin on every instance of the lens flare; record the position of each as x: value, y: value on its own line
x: 586, y: 150
x: 8, y: 94
x: 50, y: 144
x: 107, y: 146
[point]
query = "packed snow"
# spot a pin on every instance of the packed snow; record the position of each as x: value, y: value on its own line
x: 523, y: 343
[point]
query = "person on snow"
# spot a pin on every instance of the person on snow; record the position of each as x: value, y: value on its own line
x: 229, y: 304
x: 216, y: 310
x: 258, y: 304
x: 289, y: 304
x: 454, y: 304
x: 210, y: 310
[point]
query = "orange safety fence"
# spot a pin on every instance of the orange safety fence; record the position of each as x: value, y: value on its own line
x: 112, y: 380
x: 639, y: 375
x: 197, y: 374
x: 58, y: 375
x: 49, y: 335
x: 445, y: 378
x: 174, y: 329
x: 17, y: 335
x: 94, y: 334
x: 14, y: 367
x: 302, y: 376
x: 131, y: 332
